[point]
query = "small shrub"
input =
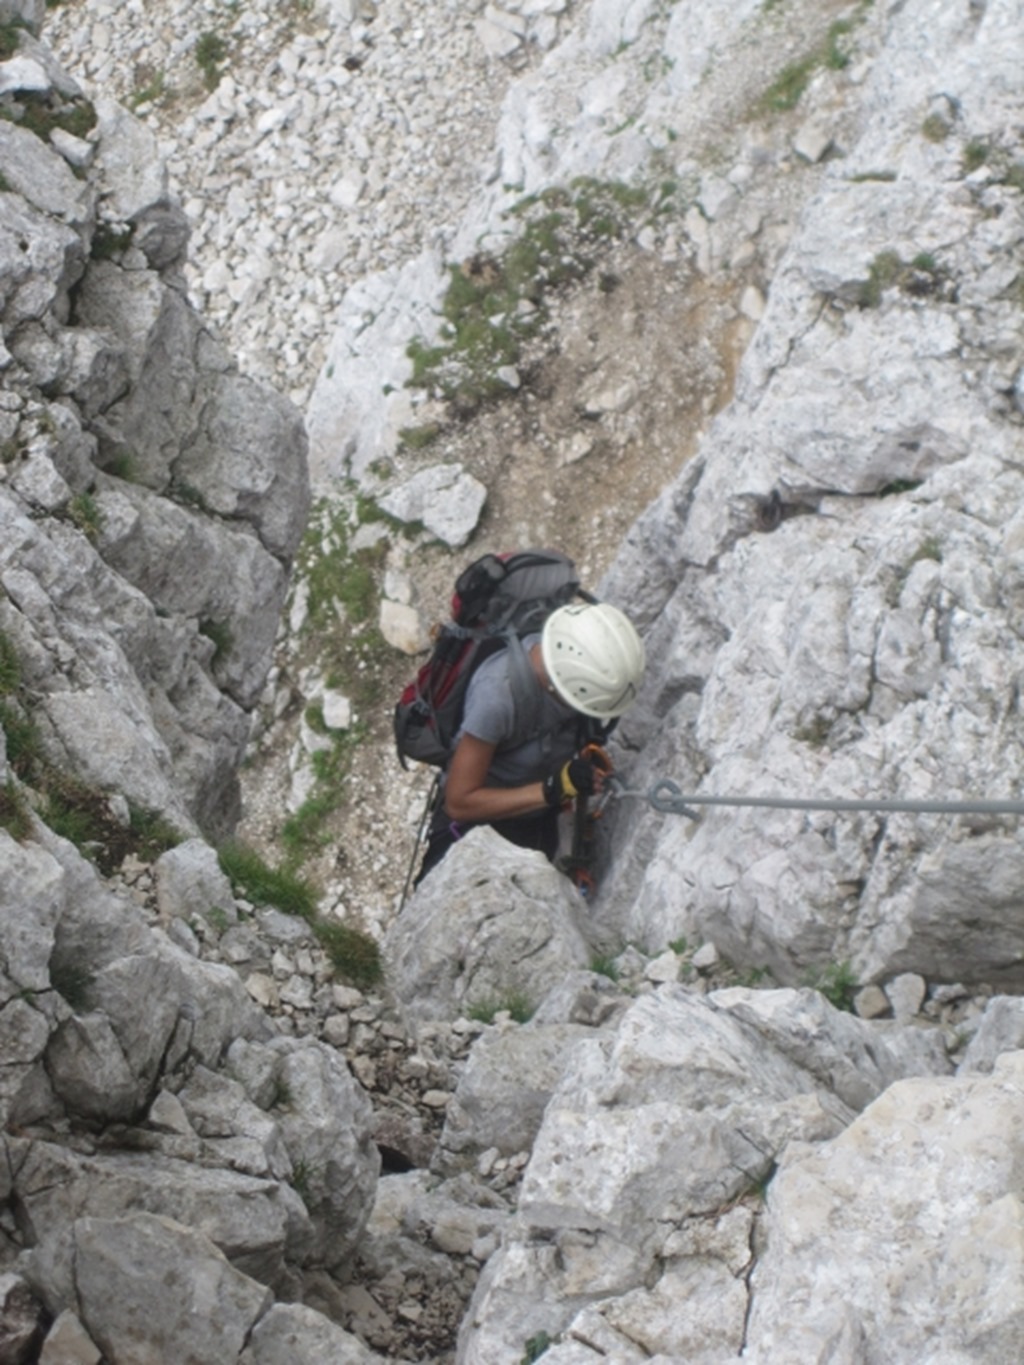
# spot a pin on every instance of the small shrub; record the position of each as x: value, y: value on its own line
x: 210, y: 52
x: 354, y: 955
x: 122, y: 466
x: 535, y: 1347
x: 220, y: 633
x: 929, y: 548
x: 10, y: 38
x: 83, y: 815
x: 72, y: 982
x: 262, y: 884
x: 41, y: 114
x: 84, y: 511
x: 604, y: 966
x: 109, y: 242
x: 883, y: 273
x: 10, y: 667
x: 976, y: 153
x: 21, y: 735
x: 815, y: 732
x: 149, y: 834
x: 935, y: 128
x: 188, y: 495
x: 15, y: 816
x: 282, y: 1095
x: 485, y: 323
x: 217, y: 918
x: 152, y: 90
x: 302, y: 1176
x: 680, y: 946
x: 837, y: 984
x: 304, y: 832
x: 836, y: 56
x: 785, y: 91
x: 752, y: 977
x: 418, y: 438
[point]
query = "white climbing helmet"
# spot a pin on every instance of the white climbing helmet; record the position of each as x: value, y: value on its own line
x: 594, y: 658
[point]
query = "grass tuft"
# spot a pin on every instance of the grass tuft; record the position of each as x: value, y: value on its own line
x: 10, y: 667
x: 72, y: 982
x: 516, y: 1004
x: 84, y: 511
x: 354, y: 955
x: 262, y: 884
x: 837, y: 984
x: 15, y: 816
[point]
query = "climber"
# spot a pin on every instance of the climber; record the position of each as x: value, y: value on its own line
x: 517, y: 758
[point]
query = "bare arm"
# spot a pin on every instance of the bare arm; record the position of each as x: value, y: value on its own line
x: 466, y: 797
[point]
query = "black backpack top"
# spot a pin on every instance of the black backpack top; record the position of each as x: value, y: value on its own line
x: 498, y: 599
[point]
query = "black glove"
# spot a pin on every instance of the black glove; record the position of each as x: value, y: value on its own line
x: 578, y: 777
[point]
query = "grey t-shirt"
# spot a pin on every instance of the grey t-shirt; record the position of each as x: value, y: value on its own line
x: 490, y: 714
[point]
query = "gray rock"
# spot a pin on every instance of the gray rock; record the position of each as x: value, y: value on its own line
x: 445, y: 498
x: 290, y: 1334
x: 929, y: 1161
x: 209, y: 1319
x: 498, y: 924
x: 906, y: 994
x: 1001, y: 1029
x: 854, y: 671
x: 31, y: 12
x: 21, y: 1320
x: 133, y: 174
x: 502, y: 1092
x: 68, y: 1343
x: 327, y: 1127
x: 682, y: 1111
x: 189, y: 881
x: 42, y: 176
x: 257, y: 1223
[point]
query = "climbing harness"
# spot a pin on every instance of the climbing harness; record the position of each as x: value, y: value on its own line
x: 667, y: 796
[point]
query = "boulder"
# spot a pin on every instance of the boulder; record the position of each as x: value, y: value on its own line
x: 498, y: 926
x: 290, y: 1334
x: 888, y: 1230
x: 189, y: 881
x: 445, y: 498
x: 209, y: 1316
x: 639, y: 1199
x: 502, y: 1092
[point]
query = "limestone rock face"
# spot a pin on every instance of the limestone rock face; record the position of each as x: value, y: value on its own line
x: 151, y: 497
x: 860, y: 1228
x: 831, y: 592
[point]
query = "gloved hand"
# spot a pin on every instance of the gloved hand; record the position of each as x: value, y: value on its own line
x: 578, y: 777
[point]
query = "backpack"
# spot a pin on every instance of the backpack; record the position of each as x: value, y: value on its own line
x: 498, y: 599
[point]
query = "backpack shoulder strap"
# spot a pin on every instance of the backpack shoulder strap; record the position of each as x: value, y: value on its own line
x: 526, y: 695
